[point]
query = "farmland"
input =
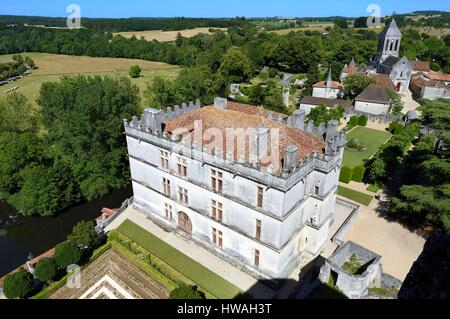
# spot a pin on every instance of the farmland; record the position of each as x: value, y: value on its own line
x: 165, y: 36
x: 52, y: 66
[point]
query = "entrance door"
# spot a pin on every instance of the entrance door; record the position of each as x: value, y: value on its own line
x: 399, y: 86
x: 184, y: 223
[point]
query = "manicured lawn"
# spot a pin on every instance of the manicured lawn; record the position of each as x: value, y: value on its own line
x: 372, y: 139
x: 355, y: 195
x: 182, y: 263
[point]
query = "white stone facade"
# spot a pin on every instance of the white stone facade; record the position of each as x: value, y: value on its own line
x: 268, y: 241
x: 372, y: 107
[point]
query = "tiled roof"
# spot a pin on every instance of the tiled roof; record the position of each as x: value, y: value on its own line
x: 312, y: 100
x: 322, y: 84
x: 383, y: 79
x: 374, y: 93
x: 241, y: 116
x: 390, y: 61
x: 439, y: 76
x: 420, y: 65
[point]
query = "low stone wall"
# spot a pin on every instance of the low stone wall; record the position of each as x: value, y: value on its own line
x: 339, y: 235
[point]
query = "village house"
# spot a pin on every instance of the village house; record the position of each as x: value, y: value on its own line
x: 327, y: 89
x: 373, y: 100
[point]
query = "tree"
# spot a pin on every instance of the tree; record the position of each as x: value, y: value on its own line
x: 67, y: 253
x: 84, y: 235
x: 18, y: 284
x: 161, y: 94
x: 397, y: 104
x: 196, y: 83
x: 135, y: 71
x: 360, y: 22
x: 17, y: 114
x: 45, y: 269
x: 235, y: 66
x: 179, y: 40
x: 84, y: 120
x: 184, y: 292
x: 376, y: 172
x: 342, y: 23
x: 354, y: 85
x: 29, y: 62
x: 323, y: 114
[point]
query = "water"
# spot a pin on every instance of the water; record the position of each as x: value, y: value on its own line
x: 24, y: 235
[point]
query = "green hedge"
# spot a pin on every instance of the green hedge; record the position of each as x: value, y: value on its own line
x: 362, y: 120
x: 346, y: 175
x: 358, y: 174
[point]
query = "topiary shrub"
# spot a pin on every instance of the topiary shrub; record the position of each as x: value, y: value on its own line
x: 362, y: 120
x: 45, y: 269
x: 185, y: 292
x: 358, y: 174
x: 346, y: 175
x: 353, y: 122
x: 18, y: 284
x: 67, y: 253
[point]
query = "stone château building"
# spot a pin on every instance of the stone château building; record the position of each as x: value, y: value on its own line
x: 261, y: 216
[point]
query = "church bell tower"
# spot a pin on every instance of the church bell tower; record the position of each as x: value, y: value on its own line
x: 389, y: 42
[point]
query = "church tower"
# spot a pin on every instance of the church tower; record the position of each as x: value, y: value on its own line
x: 389, y: 42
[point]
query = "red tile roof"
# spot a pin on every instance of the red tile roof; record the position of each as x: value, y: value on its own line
x: 439, y: 76
x: 383, y: 79
x: 107, y: 213
x: 334, y: 85
x: 420, y: 65
x: 242, y: 116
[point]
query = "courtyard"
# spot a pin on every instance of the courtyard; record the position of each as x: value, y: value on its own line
x: 370, y: 138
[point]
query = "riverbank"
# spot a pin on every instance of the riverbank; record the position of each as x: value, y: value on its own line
x: 36, y: 235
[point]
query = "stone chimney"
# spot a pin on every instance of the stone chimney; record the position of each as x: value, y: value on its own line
x: 220, y: 103
x: 332, y: 129
x: 290, y: 157
x: 298, y: 119
x: 332, y: 137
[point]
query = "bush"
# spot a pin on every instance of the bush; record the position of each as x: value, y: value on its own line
x: 353, y: 122
x: 184, y: 292
x: 45, y: 269
x: 85, y: 235
x: 396, y: 128
x: 346, y: 175
x: 435, y: 66
x: 67, y: 253
x: 135, y: 71
x: 362, y: 120
x: 273, y: 72
x: 18, y: 285
x: 358, y: 174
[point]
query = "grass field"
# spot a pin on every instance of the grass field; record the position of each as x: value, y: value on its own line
x: 355, y: 195
x: 372, y: 139
x: 165, y: 36
x: 52, y: 66
x: 180, y: 262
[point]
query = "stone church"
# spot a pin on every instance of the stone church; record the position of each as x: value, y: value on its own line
x: 388, y: 60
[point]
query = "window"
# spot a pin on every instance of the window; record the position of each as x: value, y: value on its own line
x: 168, y: 210
x: 257, y: 255
x: 182, y: 167
x: 166, y: 187
x: 317, y: 190
x: 258, y: 230
x: 164, y: 159
x: 217, y: 237
x: 217, y: 210
x: 183, y: 195
x: 216, y: 181
x: 260, y: 197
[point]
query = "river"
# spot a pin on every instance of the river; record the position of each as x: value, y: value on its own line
x: 24, y: 235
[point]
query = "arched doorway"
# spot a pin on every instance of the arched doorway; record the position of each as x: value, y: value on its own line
x: 399, y: 86
x: 184, y: 223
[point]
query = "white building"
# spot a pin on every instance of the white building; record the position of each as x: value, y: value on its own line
x: 388, y: 60
x: 430, y: 85
x: 261, y: 218
x: 310, y: 102
x: 327, y: 89
x: 373, y: 100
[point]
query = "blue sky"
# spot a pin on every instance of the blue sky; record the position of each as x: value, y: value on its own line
x: 213, y: 8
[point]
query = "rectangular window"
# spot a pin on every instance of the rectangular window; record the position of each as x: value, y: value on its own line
x: 217, y: 210
x: 166, y: 187
x: 258, y: 230
x: 217, y: 237
x: 164, y: 159
x: 316, y: 190
x: 168, y: 210
x: 260, y: 197
x: 183, y: 195
x: 182, y: 167
x: 257, y: 256
x: 216, y: 181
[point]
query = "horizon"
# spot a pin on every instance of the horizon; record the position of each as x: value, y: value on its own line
x: 203, y: 9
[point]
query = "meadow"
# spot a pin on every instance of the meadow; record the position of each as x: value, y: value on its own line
x: 52, y: 66
x: 166, y: 36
